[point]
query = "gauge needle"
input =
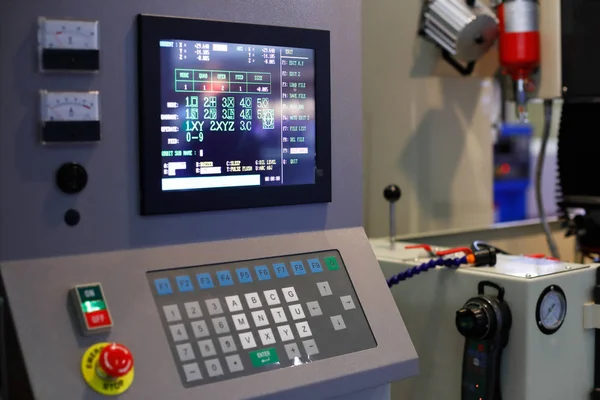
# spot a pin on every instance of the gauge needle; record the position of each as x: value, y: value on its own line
x: 549, y: 310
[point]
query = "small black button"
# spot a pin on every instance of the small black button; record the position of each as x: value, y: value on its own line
x: 72, y: 217
x: 71, y: 178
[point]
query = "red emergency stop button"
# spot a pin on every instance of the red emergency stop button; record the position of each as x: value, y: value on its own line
x: 115, y: 361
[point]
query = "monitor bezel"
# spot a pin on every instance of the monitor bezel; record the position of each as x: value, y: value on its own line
x: 154, y: 201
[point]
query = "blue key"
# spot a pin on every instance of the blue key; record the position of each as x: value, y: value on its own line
x: 280, y: 270
x: 205, y: 281
x: 224, y: 278
x: 244, y: 275
x: 262, y: 271
x: 184, y: 283
x: 315, y: 265
x: 298, y: 268
x: 163, y: 286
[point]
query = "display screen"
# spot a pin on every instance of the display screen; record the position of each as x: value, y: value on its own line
x: 236, y: 114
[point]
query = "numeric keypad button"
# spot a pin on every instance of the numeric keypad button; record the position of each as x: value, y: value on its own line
x: 193, y: 309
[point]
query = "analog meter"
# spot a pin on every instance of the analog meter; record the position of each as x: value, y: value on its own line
x: 68, y: 45
x: 551, y: 309
x: 70, y: 116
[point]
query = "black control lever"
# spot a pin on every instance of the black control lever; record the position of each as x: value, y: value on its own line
x: 392, y: 194
x: 485, y: 322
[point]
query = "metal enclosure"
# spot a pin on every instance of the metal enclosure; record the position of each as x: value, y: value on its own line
x: 42, y: 258
x: 535, y: 366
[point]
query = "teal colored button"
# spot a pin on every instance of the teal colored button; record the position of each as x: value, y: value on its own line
x: 90, y: 293
x: 332, y: 263
x: 264, y: 357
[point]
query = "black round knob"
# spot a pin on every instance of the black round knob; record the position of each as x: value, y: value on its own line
x: 472, y: 322
x: 72, y: 217
x: 71, y: 178
x: 392, y: 193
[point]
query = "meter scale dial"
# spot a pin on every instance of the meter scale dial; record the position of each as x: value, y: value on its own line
x: 551, y: 310
x: 70, y: 106
x: 67, y: 34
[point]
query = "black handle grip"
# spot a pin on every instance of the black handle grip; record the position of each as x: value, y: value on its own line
x: 461, y: 69
x: 481, y: 288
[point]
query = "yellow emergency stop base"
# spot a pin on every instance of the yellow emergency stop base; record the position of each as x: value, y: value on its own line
x: 110, y: 387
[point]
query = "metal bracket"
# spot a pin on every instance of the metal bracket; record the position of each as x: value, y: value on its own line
x: 591, y: 316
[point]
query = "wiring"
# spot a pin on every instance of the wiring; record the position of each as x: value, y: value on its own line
x: 539, y: 169
x: 426, y: 266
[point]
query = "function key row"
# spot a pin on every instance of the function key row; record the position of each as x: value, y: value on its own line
x: 243, y: 275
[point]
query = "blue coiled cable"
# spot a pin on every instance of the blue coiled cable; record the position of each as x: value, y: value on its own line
x: 438, y: 262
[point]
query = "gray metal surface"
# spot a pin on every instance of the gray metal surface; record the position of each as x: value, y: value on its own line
x: 32, y: 207
x: 219, y: 317
x: 38, y: 294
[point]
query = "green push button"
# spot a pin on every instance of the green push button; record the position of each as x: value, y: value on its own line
x: 332, y: 263
x: 93, y: 306
x: 264, y: 357
x: 90, y: 293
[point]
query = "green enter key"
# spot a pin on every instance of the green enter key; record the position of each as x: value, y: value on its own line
x: 264, y: 357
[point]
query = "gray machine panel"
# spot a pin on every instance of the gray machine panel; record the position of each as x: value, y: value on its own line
x: 53, y: 358
x: 229, y: 320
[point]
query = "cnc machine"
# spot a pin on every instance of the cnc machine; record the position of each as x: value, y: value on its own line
x: 181, y: 205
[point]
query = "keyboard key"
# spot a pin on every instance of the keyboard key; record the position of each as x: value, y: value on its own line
x: 163, y: 286
x: 224, y: 278
x: 240, y: 321
x: 253, y: 300
x: 247, y: 340
x: 243, y: 275
x: 289, y: 294
x: 332, y: 263
x: 192, y: 372
x: 193, y: 309
x: 266, y: 336
x: 298, y: 268
x: 285, y: 332
x: 227, y: 344
x: 347, y: 303
x: 207, y: 348
x: 310, y: 346
x: 297, y: 311
x: 178, y: 332
x: 234, y: 363
x: 213, y: 367
x: 214, y: 306
x: 292, y: 351
x: 278, y: 315
x: 260, y: 318
x: 303, y: 329
x: 172, y: 313
x: 200, y: 329
x: 338, y: 322
x: 315, y: 265
x: 185, y: 352
x: 220, y: 325
x: 234, y: 303
x: 272, y: 297
x: 184, y: 283
x: 324, y: 288
x: 205, y: 281
x: 314, y: 309
x: 281, y: 270
x: 262, y: 271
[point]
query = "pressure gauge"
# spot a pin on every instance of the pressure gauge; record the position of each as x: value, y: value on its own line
x: 68, y: 45
x: 70, y: 117
x: 551, y: 309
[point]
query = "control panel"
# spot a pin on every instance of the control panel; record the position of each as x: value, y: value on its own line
x: 229, y: 320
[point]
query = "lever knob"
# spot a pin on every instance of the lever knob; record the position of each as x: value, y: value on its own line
x: 392, y: 193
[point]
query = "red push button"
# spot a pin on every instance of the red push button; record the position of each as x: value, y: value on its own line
x: 98, y: 319
x: 115, y: 360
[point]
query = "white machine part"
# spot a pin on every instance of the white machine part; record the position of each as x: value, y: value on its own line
x: 535, y: 366
x: 466, y: 31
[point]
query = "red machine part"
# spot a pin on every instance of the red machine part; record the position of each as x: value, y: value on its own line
x: 519, y: 37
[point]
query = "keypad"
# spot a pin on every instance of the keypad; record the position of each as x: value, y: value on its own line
x: 247, y: 317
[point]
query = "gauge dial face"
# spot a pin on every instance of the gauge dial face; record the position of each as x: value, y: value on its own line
x: 68, y: 34
x: 552, y: 309
x: 70, y: 106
